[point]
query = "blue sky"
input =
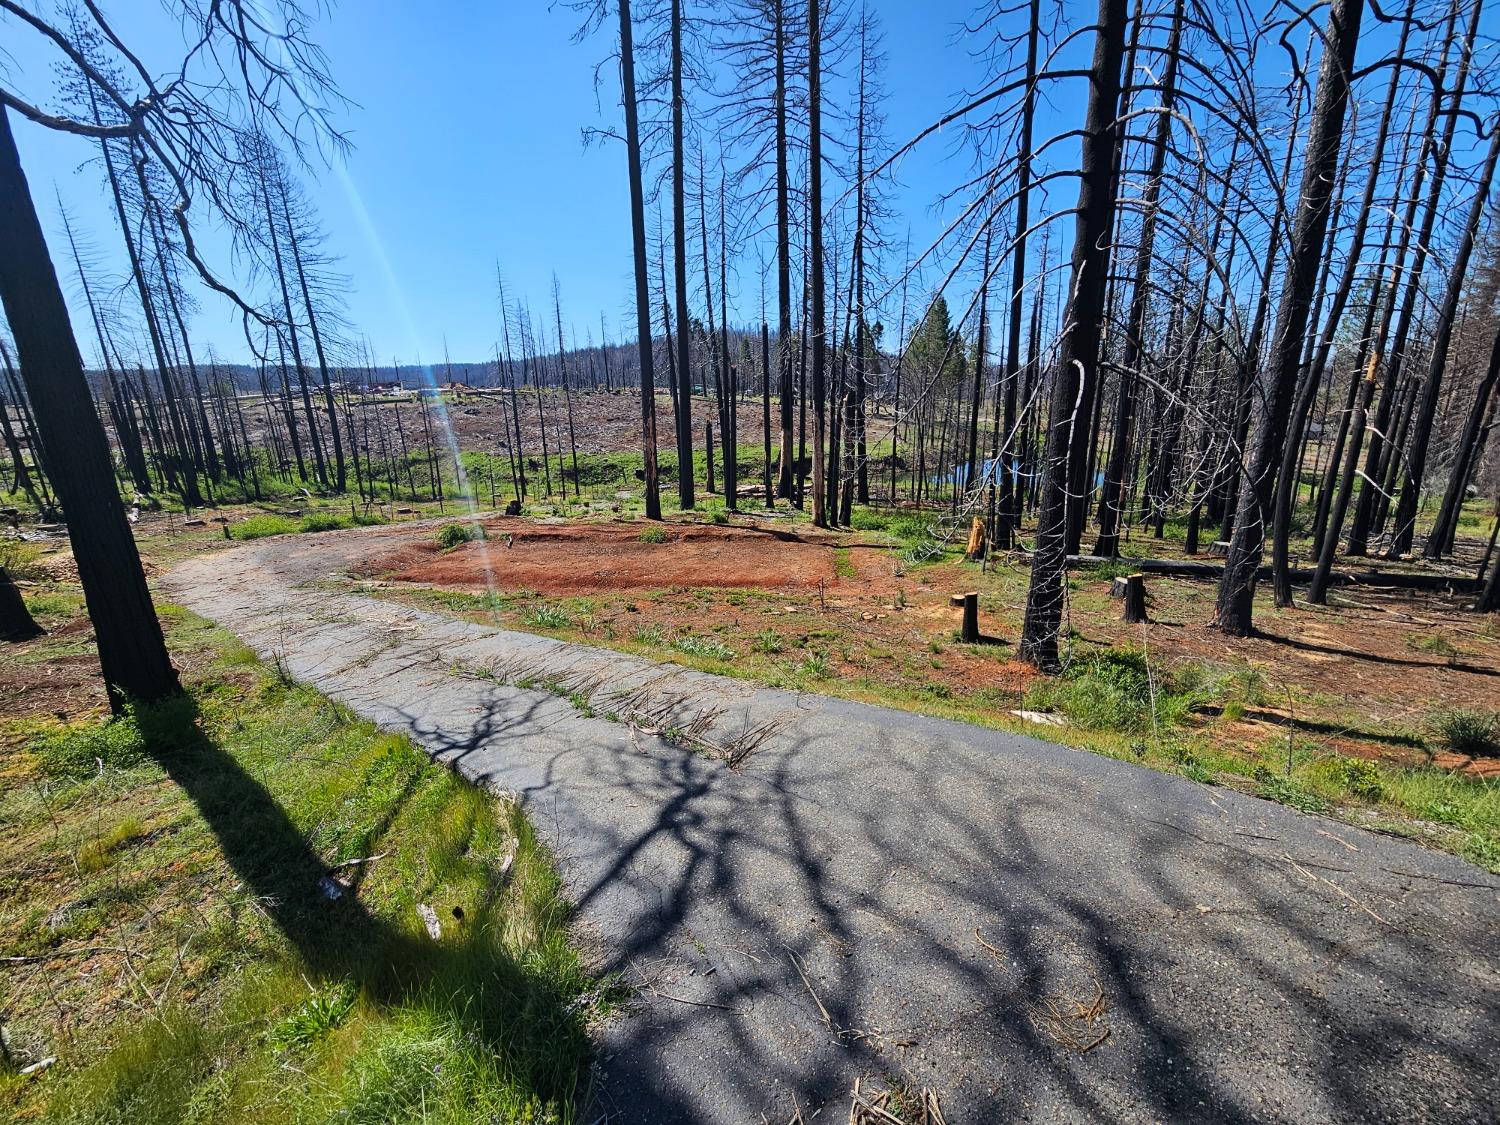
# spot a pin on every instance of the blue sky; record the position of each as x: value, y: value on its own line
x: 467, y: 132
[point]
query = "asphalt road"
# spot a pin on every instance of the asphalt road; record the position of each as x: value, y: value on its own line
x: 874, y: 893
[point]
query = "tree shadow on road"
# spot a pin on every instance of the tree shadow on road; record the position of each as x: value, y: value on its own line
x: 925, y: 906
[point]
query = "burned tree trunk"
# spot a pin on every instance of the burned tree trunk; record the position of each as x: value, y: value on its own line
x: 1078, y: 360
x: 1416, y: 459
x: 1257, y: 490
x: 1440, y: 540
x: 132, y: 652
x: 16, y: 622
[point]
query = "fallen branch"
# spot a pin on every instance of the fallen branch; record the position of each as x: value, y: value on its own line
x: 1336, y: 887
x: 357, y: 862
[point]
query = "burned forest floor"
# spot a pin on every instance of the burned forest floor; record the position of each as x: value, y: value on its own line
x: 1345, y: 709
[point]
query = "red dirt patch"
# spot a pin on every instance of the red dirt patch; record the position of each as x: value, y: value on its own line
x: 597, y: 558
x: 65, y: 685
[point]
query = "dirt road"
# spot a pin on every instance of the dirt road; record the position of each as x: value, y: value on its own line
x: 1034, y: 932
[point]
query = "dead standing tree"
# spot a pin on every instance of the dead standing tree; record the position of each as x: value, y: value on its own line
x: 185, y: 128
x: 1078, y: 357
x: 1235, y: 610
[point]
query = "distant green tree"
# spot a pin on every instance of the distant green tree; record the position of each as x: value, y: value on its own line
x: 936, y: 352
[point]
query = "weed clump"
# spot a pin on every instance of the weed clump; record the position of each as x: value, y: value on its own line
x: 1283, y: 790
x: 653, y: 535
x: 1463, y: 730
x: 1355, y: 776
x: 544, y: 616
x: 452, y: 535
x: 706, y: 647
x: 769, y: 641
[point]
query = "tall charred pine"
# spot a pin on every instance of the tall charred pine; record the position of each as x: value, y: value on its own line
x: 1078, y: 359
x: 1257, y: 489
x: 132, y: 652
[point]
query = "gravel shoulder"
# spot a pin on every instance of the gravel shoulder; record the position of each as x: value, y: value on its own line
x: 807, y: 890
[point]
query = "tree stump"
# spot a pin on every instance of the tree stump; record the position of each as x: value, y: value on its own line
x: 969, y: 632
x: 976, y: 539
x: 16, y: 622
x: 1219, y: 549
x: 1135, y: 599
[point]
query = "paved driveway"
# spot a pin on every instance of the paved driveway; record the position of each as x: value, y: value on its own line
x: 874, y: 893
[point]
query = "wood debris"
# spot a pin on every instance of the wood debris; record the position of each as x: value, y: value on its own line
x: 1079, y: 1025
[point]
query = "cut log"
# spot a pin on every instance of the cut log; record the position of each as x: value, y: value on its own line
x: 1135, y: 599
x: 16, y: 622
x: 969, y: 632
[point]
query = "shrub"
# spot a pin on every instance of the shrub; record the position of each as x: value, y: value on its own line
x: 452, y: 535
x: 653, y: 535
x: 21, y: 559
x: 1356, y: 776
x: 1475, y: 734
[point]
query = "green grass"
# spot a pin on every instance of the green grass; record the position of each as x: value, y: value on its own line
x: 653, y: 535
x: 1116, y: 689
x: 270, y: 523
x: 194, y: 835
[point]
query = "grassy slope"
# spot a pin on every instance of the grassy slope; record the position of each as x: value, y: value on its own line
x: 161, y: 890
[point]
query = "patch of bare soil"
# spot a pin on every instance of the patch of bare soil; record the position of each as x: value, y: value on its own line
x: 50, y: 676
x: 597, y: 558
x: 1358, y: 678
